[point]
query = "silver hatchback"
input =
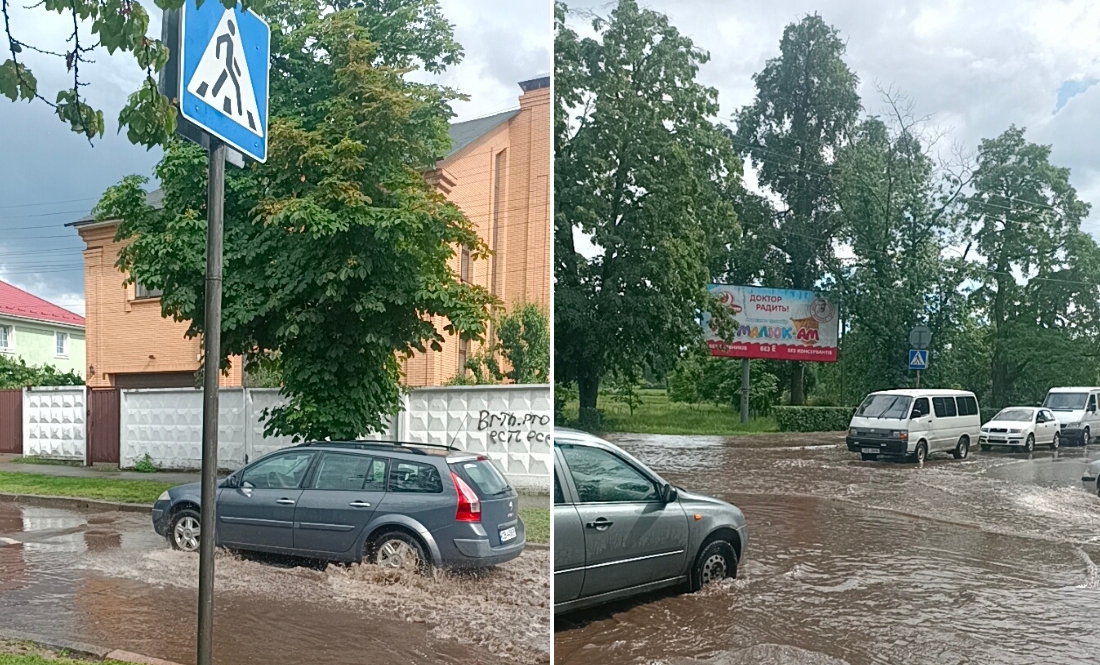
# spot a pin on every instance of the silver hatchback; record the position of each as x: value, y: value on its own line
x: 621, y: 530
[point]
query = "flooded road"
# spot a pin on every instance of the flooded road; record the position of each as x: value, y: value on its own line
x: 989, y: 560
x: 108, y: 579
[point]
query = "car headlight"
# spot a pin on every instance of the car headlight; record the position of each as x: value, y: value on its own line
x: 163, y: 496
x: 853, y: 432
x: 900, y: 434
x: 1014, y: 431
x: 985, y: 430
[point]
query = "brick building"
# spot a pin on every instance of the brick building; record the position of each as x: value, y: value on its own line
x: 498, y: 173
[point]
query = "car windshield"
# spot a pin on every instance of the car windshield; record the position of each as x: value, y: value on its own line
x: 1015, y: 415
x: 1065, y: 401
x: 885, y: 406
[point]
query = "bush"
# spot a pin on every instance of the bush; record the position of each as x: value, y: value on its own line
x: 146, y: 465
x: 813, y: 418
x: 987, y: 414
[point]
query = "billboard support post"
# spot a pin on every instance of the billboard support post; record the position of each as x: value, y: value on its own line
x: 744, y: 391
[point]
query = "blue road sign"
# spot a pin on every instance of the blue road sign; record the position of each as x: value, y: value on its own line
x: 224, y: 62
x: 918, y: 359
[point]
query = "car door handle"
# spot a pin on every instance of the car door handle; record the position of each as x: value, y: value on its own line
x: 359, y: 504
x: 286, y: 502
x: 602, y: 524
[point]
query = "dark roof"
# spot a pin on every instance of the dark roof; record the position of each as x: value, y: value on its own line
x: 465, y: 133
x: 154, y: 198
x: 536, y: 83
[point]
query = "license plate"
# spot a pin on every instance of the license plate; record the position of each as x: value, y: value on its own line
x: 507, y: 534
x: 871, y: 451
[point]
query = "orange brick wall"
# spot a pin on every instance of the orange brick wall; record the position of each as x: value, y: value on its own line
x: 124, y: 335
x: 523, y: 239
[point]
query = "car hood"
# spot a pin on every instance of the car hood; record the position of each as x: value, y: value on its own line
x: 1064, y: 417
x: 863, y: 422
x: 1008, y: 424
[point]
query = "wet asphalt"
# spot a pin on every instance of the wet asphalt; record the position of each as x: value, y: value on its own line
x: 986, y: 560
x: 106, y: 578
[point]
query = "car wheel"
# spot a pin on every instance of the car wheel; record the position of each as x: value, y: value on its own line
x: 985, y: 448
x: 1029, y: 445
x: 1056, y: 442
x: 868, y: 457
x: 922, y: 453
x: 1085, y: 440
x: 962, y: 448
x: 398, y: 550
x: 716, y: 561
x: 184, y: 531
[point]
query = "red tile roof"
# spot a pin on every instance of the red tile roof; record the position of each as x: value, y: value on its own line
x: 17, y: 302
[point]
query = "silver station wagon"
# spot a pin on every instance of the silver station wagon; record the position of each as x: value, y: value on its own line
x: 621, y: 530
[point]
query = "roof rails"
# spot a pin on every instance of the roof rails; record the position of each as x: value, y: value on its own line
x: 379, y: 445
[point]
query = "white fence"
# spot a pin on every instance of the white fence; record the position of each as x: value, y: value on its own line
x: 54, y: 422
x: 510, y: 424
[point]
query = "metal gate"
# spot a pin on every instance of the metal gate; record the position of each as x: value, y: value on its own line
x: 11, y: 421
x: 103, y: 441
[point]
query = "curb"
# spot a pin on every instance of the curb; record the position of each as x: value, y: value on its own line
x: 82, y: 650
x: 538, y: 546
x: 75, y: 502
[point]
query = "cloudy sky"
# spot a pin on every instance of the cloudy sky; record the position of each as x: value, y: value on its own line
x: 973, y: 66
x: 50, y: 176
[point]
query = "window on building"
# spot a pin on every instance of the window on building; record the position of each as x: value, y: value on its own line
x: 61, y: 344
x: 141, y: 291
x: 463, y: 353
x: 464, y: 269
x: 500, y: 168
x: 7, y: 338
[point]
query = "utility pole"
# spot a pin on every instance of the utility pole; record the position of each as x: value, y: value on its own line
x: 744, y: 391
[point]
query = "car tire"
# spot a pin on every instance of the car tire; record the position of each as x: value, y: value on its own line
x: 1056, y: 442
x: 397, y: 550
x: 184, y: 530
x: 921, y: 454
x: 962, y: 448
x: 868, y: 457
x: 1029, y: 444
x: 1086, y: 438
x: 715, y: 561
x: 986, y: 447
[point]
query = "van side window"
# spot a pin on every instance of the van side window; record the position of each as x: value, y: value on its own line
x: 942, y: 408
x: 968, y: 406
x: 920, y: 408
x: 1092, y: 402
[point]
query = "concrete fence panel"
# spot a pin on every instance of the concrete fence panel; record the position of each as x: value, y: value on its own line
x: 55, y: 422
x: 166, y: 424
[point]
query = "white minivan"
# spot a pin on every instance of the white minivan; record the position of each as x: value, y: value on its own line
x: 1075, y: 409
x: 915, y: 423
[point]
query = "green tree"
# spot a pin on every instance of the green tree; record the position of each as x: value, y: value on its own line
x: 337, y: 249
x: 805, y: 108
x: 643, y: 171
x: 1039, y: 271
x: 408, y: 33
x: 524, y: 343
x: 15, y: 373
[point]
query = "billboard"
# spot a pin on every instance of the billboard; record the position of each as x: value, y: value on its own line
x: 775, y: 324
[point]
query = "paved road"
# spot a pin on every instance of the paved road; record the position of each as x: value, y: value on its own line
x: 105, y: 578
x: 989, y: 560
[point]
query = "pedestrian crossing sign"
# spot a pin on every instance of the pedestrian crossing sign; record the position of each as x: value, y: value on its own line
x: 918, y: 359
x: 224, y: 73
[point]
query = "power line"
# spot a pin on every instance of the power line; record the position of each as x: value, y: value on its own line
x: 48, y: 203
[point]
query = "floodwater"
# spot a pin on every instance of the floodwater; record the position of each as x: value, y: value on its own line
x: 987, y: 560
x: 106, y: 578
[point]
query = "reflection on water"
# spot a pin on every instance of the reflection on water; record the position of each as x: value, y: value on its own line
x: 990, y: 560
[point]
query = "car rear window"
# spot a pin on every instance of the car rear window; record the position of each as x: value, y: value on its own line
x: 414, y: 477
x: 485, y: 478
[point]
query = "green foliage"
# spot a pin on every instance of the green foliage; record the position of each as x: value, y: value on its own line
x: 987, y: 414
x: 106, y: 489
x: 625, y: 391
x: 524, y: 342
x: 146, y: 465
x: 337, y: 250
x: 683, y: 382
x: 590, y: 419
x: 15, y: 373
x: 813, y: 418
x: 701, y: 377
x: 563, y: 394
x: 651, y: 179
x: 264, y: 371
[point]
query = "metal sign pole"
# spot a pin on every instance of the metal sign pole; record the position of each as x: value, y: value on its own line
x: 744, y: 391
x: 212, y: 334
x: 918, y: 379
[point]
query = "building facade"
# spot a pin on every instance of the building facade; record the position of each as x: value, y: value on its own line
x: 39, y: 332
x: 498, y: 173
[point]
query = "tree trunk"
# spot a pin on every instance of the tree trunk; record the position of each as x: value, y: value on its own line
x: 589, y: 388
x: 798, y: 395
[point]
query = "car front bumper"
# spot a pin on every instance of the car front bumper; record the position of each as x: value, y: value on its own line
x: 1007, y: 440
x: 1089, y: 483
x: 878, y: 445
x: 160, y: 517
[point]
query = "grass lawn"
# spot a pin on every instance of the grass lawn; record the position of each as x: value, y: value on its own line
x: 657, y: 415
x: 537, y: 521
x: 10, y: 659
x: 106, y: 489
x: 31, y: 459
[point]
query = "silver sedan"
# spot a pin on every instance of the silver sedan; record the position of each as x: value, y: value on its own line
x: 621, y: 530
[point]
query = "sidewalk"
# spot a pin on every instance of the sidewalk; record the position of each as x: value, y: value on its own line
x: 65, y: 471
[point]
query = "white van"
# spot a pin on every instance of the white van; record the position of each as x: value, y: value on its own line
x: 915, y: 423
x: 1075, y: 409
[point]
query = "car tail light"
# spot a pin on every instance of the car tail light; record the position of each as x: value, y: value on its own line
x: 469, y: 506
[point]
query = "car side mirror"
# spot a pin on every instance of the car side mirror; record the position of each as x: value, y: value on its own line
x: 668, y: 493
x: 246, y: 485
